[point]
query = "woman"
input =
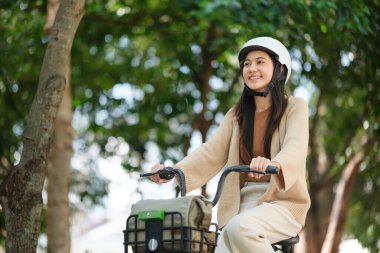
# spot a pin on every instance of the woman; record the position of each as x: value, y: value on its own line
x: 265, y: 127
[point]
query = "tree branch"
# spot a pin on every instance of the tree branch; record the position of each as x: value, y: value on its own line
x: 343, y: 194
x: 349, y: 138
x: 313, y: 157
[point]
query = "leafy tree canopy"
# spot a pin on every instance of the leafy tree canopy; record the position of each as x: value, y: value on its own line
x: 139, y: 70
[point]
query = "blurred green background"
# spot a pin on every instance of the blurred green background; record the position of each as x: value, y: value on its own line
x: 158, y: 73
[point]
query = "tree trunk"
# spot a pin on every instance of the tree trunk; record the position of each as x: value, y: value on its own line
x: 20, y: 192
x: 59, y: 172
x: 317, y: 220
x: 340, y: 207
x: 320, y: 188
x: 59, y: 164
x: 318, y: 230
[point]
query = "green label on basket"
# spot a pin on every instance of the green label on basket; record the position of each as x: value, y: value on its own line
x: 152, y: 214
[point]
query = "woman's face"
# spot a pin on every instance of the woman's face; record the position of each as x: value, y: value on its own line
x: 257, y: 70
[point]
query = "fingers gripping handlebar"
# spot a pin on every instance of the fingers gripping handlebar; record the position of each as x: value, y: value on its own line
x: 169, y: 172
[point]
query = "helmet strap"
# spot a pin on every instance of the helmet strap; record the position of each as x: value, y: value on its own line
x: 252, y: 93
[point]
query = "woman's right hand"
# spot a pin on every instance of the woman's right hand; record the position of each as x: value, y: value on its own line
x: 156, y: 178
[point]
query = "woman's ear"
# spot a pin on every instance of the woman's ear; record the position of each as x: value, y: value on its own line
x: 281, y: 72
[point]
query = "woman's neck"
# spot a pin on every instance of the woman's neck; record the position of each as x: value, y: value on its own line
x: 263, y: 103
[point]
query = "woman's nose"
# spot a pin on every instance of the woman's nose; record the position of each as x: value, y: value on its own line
x: 252, y: 68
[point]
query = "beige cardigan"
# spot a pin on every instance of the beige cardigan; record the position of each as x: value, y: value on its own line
x: 288, y: 147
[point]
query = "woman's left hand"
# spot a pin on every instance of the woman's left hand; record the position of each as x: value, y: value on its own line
x: 260, y: 163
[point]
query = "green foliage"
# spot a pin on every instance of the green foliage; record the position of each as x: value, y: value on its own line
x: 3, y: 233
x: 160, y: 51
x: 367, y: 213
x: 344, y: 68
x: 19, y: 70
x: 137, y: 69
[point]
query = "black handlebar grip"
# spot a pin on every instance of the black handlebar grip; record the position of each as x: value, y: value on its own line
x: 169, y: 173
x: 166, y: 173
x: 272, y: 170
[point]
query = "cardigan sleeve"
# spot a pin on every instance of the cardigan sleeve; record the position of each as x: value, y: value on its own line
x: 207, y: 160
x: 294, y: 145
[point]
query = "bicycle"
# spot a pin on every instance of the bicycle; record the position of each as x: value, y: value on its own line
x: 160, y: 230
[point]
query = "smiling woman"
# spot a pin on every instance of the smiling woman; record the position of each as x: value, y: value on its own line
x: 265, y: 128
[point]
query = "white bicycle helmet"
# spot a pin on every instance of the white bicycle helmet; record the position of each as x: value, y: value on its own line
x: 274, y: 47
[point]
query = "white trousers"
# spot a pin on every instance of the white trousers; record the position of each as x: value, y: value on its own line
x: 256, y: 227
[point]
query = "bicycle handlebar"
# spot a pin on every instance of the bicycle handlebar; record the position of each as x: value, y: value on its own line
x: 272, y: 170
x: 169, y: 172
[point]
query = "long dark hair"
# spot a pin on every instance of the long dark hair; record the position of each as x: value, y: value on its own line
x: 245, y: 108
